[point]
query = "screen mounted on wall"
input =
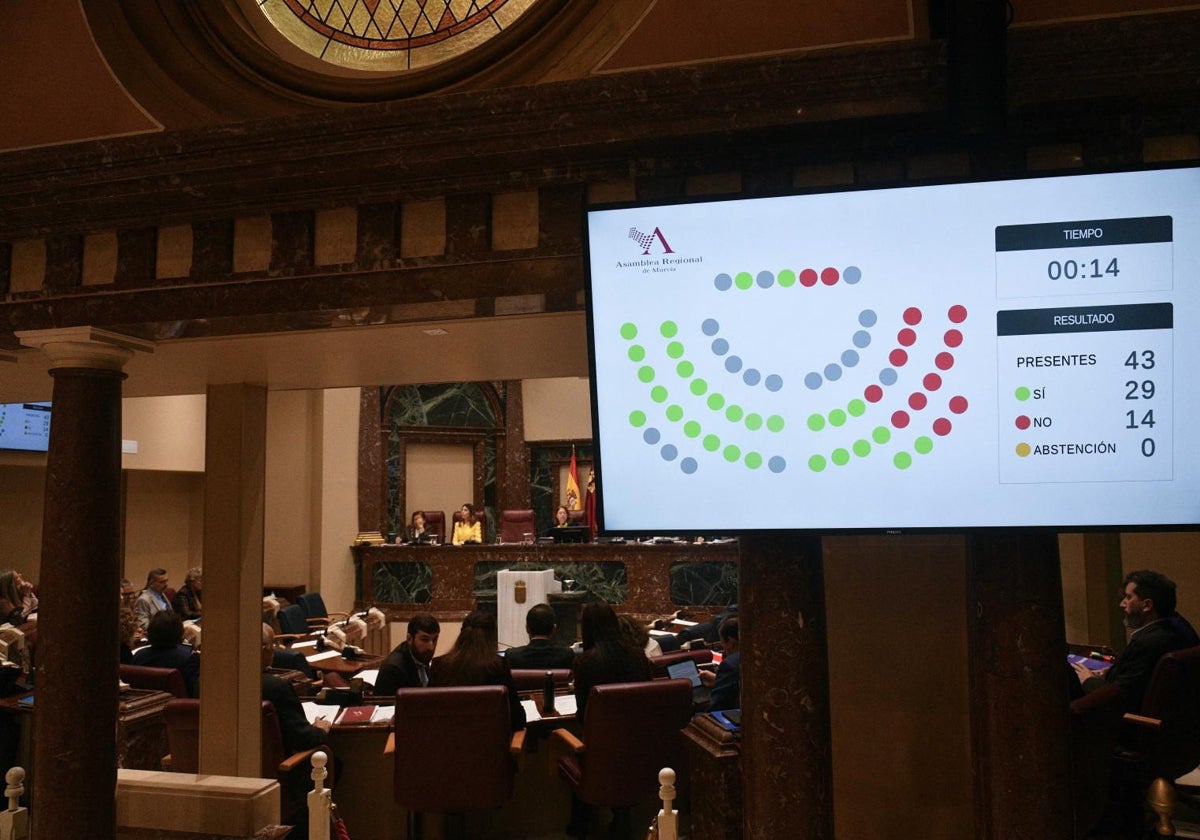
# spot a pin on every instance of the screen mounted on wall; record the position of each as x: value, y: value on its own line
x: 1003, y: 354
x: 25, y: 426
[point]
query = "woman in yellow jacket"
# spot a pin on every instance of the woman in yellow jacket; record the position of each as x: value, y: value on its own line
x: 467, y: 529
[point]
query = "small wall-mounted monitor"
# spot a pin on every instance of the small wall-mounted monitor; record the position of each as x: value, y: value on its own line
x: 1019, y: 353
x: 25, y: 426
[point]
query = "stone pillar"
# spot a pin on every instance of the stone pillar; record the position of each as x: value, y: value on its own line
x: 786, y: 742
x: 1017, y: 678
x: 75, y: 716
x: 513, y: 491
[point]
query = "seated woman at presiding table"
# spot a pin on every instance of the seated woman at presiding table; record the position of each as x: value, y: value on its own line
x: 468, y: 529
x: 474, y: 661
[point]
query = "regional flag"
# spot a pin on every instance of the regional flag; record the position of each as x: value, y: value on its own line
x: 573, y: 500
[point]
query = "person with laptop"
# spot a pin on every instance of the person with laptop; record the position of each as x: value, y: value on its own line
x: 726, y: 683
x: 1148, y: 602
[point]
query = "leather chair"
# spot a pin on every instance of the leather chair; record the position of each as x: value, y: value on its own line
x: 517, y: 526
x: 292, y: 621
x: 1162, y: 743
x: 534, y: 679
x: 182, y: 718
x: 315, y: 614
x: 146, y: 678
x: 630, y: 732
x: 577, y: 517
x: 658, y: 664
x: 435, y: 521
x: 461, y: 740
x: 1095, y: 722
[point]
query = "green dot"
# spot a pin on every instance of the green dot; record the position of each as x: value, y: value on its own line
x: 674, y: 349
x: 881, y: 434
x: 856, y: 408
x: 628, y: 332
x: 715, y: 401
x: 699, y: 387
x: 923, y: 445
x: 685, y: 368
x: 902, y: 460
x: 732, y: 453
x: 646, y: 373
x: 840, y: 457
x: 753, y: 460
x: 743, y: 280
x: 674, y: 413
x: 753, y: 422
x: 636, y: 353
x: 637, y: 418
x: 816, y: 463
x: 733, y: 413
x: 1022, y: 393
x: 691, y: 428
x: 786, y: 278
x: 775, y: 423
x: 862, y: 448
x: 668, y: 329
x: 837, y: 417
x: 658, y: 393
x: 816, y: 422
x: 712, y: 443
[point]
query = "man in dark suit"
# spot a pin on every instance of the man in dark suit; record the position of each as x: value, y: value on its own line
x: 726, y: 684
x: 1148, y: 601
x: 408, y: 665
x: 541, y: 652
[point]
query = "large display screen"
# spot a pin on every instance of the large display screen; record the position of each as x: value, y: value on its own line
x: 1013, y: 353
x: 25, y: 426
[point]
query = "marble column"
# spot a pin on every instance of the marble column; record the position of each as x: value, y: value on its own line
x: 786, y: 743
x: 1017, y: 679
x: 75, y: 714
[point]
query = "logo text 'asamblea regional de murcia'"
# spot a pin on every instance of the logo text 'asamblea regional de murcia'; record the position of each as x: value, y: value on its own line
x: 646, y: 240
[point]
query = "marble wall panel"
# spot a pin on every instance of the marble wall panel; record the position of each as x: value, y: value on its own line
x: 403, y: 583
x: 704, y: 583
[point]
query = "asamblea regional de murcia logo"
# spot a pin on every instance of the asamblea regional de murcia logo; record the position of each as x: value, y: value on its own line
x: 646, y: 240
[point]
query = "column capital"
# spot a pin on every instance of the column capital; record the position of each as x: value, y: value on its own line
x: 85, y: 347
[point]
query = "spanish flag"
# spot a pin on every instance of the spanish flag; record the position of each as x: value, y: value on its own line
x: 573, y: 500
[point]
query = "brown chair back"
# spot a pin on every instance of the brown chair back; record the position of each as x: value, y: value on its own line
x: 534, y: 679
x: 658, y: 664
x: 435, y: 521
x: 452, y: 749
x: 1173, y: 696
x: 146, y: 678
x: 516, y: 524
x: 632, y: 730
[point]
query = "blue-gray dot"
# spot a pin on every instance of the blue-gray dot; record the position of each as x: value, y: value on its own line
x: 723, y: 282
x: 833, y: 372
x: 888, y: 376
x: 774, y: 382
x: 812, y: 381
x: 776, y: 464
x: 688, y: 465
x: 720, y: 346
x: 710, y: 326
x: 862, y: 339
x: 867, y: 318
x: 852, y: 274
x: 751, y: 376
x: 850, y: 358
x: 651, y: 436
x: 765, y: 279
x: 733, y: 364
x: 669, y: 452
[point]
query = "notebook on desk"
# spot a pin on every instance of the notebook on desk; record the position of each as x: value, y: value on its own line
x: 686, y: 669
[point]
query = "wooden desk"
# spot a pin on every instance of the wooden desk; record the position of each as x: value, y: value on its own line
x: 346, y: 667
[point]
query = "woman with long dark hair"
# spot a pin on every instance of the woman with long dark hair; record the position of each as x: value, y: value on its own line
x: 607, y: 656
x: 468, y: 529
x: 474, y: 661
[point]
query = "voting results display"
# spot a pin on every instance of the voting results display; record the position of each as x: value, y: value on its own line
x: 999, y: 354
x: 25, y: 426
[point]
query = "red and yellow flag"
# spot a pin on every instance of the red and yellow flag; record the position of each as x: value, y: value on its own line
x: 574, y: 502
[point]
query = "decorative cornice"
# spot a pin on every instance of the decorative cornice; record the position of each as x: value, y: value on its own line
x: 85, y: 347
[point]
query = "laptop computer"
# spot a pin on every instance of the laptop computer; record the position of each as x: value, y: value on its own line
x: 686, y: 669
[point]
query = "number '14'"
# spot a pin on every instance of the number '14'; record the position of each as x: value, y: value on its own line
x: 1147, y: 420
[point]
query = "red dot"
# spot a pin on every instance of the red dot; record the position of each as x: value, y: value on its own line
x: 1022, y: 422
x: 900, y: 419
x: 912, y: 316
x: 941, y: 426
x: 829, y: 276
x: 958, y: 404
x: 953, y: 338
x: 957, y: 314
x: 944, y: 361
x: 808, y: 277
x: 898, y: 357
x: 873, y: 393
x: 916, y: 401
x: 906, y: 337
x: 932, y: 382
